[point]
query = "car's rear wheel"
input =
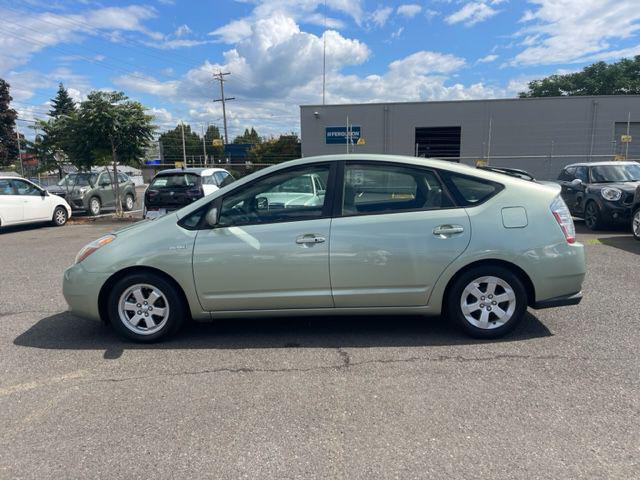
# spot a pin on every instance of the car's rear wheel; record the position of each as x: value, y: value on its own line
x: 95, y: 206
x: 128, y: 202
x: 635, y: 224
x: 60, y: 216
x: 487, y: 301
x: 592, y: 216
x: 145, y: 307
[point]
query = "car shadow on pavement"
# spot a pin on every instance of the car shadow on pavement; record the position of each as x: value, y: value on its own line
x: 626, y: 243
x: 64, y: 331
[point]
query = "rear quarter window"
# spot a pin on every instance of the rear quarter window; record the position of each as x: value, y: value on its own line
x: 470, y: 191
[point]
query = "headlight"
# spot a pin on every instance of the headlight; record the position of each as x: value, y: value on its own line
x: 93, y: 246
x: 84, y: 189
x: 611, y: 194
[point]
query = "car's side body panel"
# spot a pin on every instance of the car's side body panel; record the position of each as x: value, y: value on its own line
x: 392, y: 259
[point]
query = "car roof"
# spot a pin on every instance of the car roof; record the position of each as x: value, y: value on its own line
x: 451, y: 166
x: 170, y: 171
x: 601, y: 164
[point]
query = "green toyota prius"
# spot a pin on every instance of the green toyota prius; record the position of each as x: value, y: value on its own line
x: 339, y: 235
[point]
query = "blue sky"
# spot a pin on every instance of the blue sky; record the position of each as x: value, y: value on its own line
x: 164, y: 52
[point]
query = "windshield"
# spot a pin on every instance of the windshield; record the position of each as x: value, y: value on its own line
x: 615, y: 173
x: 175, y: 180
x: 67, y: 180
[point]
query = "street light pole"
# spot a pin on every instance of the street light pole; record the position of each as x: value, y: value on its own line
x: 20, y: 153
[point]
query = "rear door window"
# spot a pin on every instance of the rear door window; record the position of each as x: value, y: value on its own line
x: 583, y: 174
x: 370, y: 189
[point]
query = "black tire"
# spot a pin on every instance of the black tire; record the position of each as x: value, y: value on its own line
x: 176, y: 315
x: 95, y: 206
x: 592, y: 216
x: 635, y: 224
x: 454, y: 301
x: 125, y: 205
x: 60, y: 216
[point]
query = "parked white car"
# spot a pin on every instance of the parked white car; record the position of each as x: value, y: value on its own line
x: 22, y: 201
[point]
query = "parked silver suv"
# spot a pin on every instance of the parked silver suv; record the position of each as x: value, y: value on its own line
x: 95, y: 191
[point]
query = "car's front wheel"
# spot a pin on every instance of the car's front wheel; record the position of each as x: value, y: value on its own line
x: 145, y: 307
x: 592, y: 216
x: 128, y: 202
x: 60, y: 216
x: 95, y: 206
x: 635, y: 224
x: 487, y: 301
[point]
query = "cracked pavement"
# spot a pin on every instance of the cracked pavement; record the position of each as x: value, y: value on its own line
x: 385, y: 397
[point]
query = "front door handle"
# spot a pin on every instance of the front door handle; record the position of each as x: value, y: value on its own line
x: 445, y: 231
x: 310, y: 239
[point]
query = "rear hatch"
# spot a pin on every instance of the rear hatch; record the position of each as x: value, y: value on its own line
x: 173, y: 191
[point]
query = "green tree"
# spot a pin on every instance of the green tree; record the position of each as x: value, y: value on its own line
x: 8, y: 116
x: 619, y: 78
x: 56, y: 142
x: 171, y: 144
x: 115, y: 130
x: 276, y: 150
x: 213, y: 133
x: 249, y: 136
x: 62, y: 104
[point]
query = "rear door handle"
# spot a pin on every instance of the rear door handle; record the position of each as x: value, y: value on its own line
x: 310, y: 239
x: 445, y: 231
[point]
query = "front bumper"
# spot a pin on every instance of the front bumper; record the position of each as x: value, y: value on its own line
x: 562, y: 301
x: 81, y: 290
x: 615, y: 212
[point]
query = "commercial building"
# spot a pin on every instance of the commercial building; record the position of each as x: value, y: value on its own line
x: 540, y: 135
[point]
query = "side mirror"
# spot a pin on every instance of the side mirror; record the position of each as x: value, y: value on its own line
x: 212, y: 217
x: 43, y: 193
x: 576, y: 182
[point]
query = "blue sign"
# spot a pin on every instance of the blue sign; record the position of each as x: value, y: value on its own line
x: 152, y: 162
x: 335, y: 135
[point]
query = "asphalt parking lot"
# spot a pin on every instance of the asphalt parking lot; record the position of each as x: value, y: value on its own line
x: 317, y: 398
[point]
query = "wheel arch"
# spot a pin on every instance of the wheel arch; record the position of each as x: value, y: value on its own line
x: 522, y: 275
x: 120, y: 274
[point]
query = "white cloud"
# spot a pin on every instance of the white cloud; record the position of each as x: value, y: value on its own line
x: 182, y: 30
x: 233, y: 32
x: 380, y: 16
x: 472, y: 13
x: 430, y: 14
x: 409, y: 10
x: 27, y: 34
x: 566, y: 31
x: 492, y: 57
x: 302, y: 11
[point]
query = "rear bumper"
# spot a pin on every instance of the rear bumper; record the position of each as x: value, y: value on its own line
x: 562, y: 301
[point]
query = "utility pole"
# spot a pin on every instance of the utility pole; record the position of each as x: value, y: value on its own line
x: 20, y: 153
x: 184, y: 148
x: 204, y: 146
x: 324, y: 53
x: 220, y: 77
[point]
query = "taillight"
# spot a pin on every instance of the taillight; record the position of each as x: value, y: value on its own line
x: 563, y: 217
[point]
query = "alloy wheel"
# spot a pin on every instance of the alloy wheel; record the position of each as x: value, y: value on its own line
x: 129, y: 202
x: 95, y: 206
x: 591, y: 215
x: 143, y: 309
x: 488, y: 302
x: 636, y: 224
x: 60, y: 216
